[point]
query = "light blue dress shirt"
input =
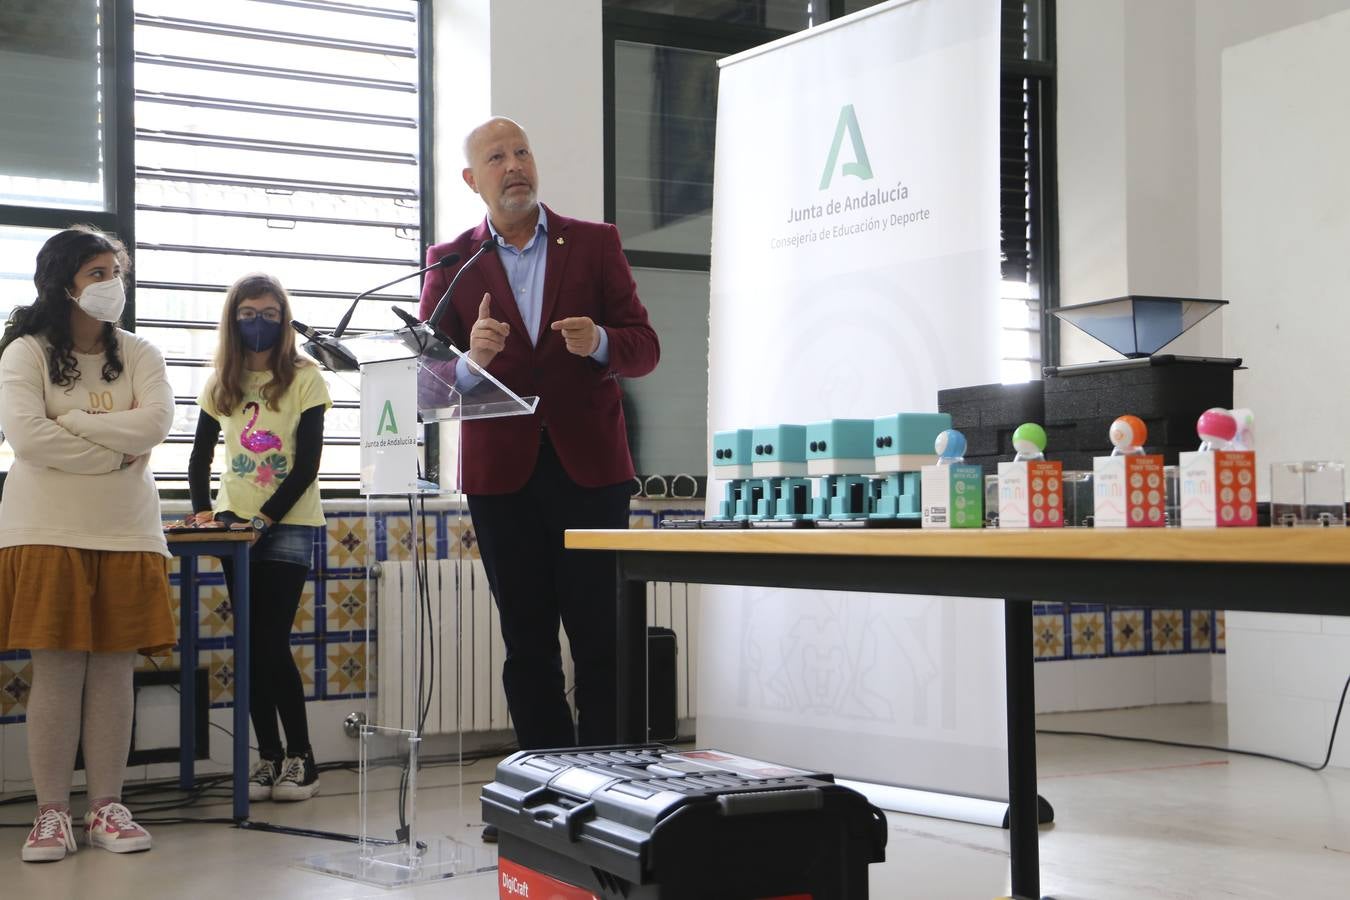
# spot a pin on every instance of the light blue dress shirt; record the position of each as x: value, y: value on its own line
x: 525, y: 274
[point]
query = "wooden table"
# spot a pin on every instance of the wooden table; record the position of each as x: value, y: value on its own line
x: 188, y: 546
x: 1248, y: 569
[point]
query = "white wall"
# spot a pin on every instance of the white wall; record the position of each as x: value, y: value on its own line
x: 1285, y: 140
x: 539, y: 63
x: 1127, y: 160
x: 1221, y: 24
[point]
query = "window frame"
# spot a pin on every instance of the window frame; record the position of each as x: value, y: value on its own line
x: 117, y: 27
x: 623, y: 25
x: 341, y: 485
x: 118, y: 197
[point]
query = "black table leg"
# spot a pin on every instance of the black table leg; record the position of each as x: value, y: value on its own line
x: 1023, y: 837
x: 631, y: 616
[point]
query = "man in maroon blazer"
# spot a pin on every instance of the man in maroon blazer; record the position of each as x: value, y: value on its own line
x: 550, y: 311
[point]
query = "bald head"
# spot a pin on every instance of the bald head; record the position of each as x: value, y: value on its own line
x: 496, y: 126
x: 499, y: 167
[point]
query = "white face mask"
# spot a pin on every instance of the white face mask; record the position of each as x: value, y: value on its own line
x: 103, y: 300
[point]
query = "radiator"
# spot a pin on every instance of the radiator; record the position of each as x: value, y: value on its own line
x: 465, y: 680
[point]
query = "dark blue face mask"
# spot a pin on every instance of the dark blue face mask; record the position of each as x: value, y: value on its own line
x: 258, y: 333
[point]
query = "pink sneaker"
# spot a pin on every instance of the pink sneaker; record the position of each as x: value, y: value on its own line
x: 111, y: 827
x: 52, y: 837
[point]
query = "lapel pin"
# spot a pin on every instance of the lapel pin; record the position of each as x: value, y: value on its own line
x: 560, y: 242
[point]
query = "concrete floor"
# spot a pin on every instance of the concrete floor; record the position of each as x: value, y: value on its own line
x: 1132, y: 820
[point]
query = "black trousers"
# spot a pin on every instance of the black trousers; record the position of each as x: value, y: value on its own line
x: 276, y: 689
x: 538, y: 584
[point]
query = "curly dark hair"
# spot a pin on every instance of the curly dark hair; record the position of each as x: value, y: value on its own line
x: 58, y: 262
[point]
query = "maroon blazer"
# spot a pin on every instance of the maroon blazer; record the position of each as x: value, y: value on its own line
x: 586, y: 274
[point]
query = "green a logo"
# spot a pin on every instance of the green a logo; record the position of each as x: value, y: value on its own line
x: 860, y: 168
x: 387, y: 416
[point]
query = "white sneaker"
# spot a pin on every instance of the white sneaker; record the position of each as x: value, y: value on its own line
x: 52, y: 837
x: 299, y: 779
x: 111, y: 827
x: 261, y: 778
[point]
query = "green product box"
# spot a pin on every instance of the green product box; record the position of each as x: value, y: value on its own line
x: 953, y: 496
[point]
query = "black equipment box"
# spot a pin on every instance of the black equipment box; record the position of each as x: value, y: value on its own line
x: 1077, y: 404
x: 649, y: 823
x: 663, y: 719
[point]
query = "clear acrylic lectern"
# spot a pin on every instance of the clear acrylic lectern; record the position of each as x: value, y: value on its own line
x: 402, y: 376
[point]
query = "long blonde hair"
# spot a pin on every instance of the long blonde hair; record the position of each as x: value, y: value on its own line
x: 228, y: 391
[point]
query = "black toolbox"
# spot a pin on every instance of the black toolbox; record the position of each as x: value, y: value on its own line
x: 650, y: 823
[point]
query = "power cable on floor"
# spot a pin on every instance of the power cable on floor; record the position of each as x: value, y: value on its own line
x: 1142, y: 740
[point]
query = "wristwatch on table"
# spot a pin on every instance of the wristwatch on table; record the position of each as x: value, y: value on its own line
x: 259, y: 525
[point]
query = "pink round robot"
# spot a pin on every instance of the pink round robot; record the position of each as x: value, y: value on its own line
x: 1216, y: 428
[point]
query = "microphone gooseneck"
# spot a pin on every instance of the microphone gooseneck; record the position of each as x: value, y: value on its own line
x: 434, y: 320
x: 447, y: 260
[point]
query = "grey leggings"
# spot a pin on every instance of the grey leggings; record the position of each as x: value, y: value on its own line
x: 75, y: 691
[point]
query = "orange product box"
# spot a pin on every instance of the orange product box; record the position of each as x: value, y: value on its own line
x: 1218, y: 488
x: 1031, y: 494
x: 1128, y: 492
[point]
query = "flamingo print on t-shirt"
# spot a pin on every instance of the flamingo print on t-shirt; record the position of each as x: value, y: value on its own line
x: 273, y: 467
x: 259, y: 441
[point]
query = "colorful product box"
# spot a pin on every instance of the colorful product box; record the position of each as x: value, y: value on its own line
x: 1218, y: 488
x: 1129, y: 491
x: 1031, y: 494
x: 953, y: 496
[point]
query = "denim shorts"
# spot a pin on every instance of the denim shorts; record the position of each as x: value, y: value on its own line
x: 282, y: 543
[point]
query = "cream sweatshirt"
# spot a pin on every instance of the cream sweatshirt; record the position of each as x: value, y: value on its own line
x: 69, y: 485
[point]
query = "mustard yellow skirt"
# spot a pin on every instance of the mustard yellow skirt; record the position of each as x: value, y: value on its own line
x: 96, y: 601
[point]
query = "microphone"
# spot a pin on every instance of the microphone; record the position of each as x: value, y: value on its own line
x: 408, y: 318
x: 447, y: 260
x: 327, y: 350
x: 434, y: 319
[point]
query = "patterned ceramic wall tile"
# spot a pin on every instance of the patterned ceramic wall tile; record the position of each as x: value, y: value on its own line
x: 347, y: 543
x: 206, y: 565
x: 219, y: 675
x: 1202, y: 631
x: 1049, y: 636
x: 1128, y: 633
x: 395, y: 537
x: 175, y: 603
x: 169, y: 663
x: 345, y: 604
x: 305, y: 618
x: 215, y: 614
x: 641, y: 519
x: 305, y: 657
x: 16, y: 679
x: 1220, y: 639
x: 1167, y: 631
x: 346, y: 672
x: 460, y: 538
x: 1087, y: 636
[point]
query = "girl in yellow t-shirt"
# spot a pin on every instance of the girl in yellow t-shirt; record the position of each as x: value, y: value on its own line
x: 270, y: 402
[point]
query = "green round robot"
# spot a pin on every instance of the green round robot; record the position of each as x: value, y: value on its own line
x: 1029, y: 442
